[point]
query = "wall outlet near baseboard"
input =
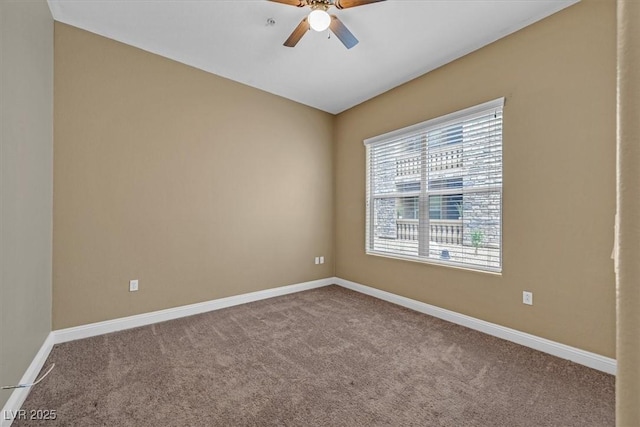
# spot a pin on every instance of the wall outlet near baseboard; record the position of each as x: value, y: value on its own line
x: 527, y: 297
x: 133, y: 285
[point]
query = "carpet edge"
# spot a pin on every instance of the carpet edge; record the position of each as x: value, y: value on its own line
x: 19, y: 395
x: 144, y: 319
x: 582, y: 357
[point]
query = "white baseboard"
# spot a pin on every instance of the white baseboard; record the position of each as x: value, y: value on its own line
x: 100, y: 328
x: 19, y: 395
x: 563, y: 351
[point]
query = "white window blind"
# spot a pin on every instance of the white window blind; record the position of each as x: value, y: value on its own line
x: 434, y: 190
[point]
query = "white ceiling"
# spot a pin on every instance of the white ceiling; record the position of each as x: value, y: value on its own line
x: 399, y: 40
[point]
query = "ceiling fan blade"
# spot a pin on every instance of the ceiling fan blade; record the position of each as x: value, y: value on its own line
x: 297, y: 3
x: 297, y: 34
x: 342, y: 32
x: 345, y: 4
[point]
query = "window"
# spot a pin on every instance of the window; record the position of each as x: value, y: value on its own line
x: 434, y: 190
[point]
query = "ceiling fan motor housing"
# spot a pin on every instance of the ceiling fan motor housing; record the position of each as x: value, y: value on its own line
x: 320, y: 4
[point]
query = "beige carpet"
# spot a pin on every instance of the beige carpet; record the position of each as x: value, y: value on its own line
x: 328, y: 356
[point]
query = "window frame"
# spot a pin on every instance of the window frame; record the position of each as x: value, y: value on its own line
x: 442, y: 121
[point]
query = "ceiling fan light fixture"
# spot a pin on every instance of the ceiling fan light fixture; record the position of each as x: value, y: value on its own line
x: 319, y: 20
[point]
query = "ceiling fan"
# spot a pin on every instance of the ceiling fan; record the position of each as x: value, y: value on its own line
x: 319, y: 19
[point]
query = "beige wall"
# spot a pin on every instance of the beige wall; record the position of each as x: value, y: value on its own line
x: 628, y: 205
x: 26, y: 189
x: 199, y: 187
x: 558, y: 77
